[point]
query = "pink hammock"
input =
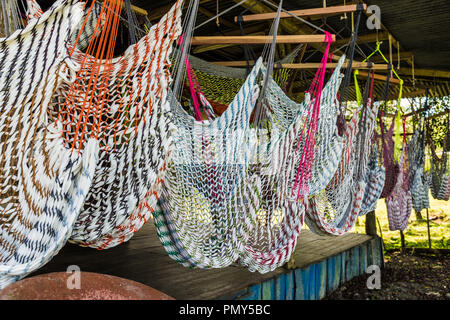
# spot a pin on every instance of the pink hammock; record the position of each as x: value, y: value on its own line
x: 399, y: 202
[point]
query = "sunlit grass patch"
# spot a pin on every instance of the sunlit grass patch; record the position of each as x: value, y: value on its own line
x: 416, y: 235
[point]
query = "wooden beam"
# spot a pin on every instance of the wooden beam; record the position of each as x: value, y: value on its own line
x: 364, y: 38
x: 395, y: 42
x: 355, y: 65
x: 212, y: 47
x: 289, y: 26
x: 301, y: 13
x: 212, y: 40
x: 138, y: 10
x: 426, y: 72
x: 404, y: 56
x: 378, y: 77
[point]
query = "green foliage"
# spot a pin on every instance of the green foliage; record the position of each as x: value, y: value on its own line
x: 416, y: 235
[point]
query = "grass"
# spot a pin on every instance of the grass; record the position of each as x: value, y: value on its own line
x: 416, y: 235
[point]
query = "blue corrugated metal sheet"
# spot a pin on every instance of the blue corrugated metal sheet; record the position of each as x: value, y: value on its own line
x: 317, y: 280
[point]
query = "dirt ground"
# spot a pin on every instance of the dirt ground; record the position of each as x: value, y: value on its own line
x: 405, y: 277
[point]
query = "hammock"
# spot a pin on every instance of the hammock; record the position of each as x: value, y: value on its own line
x: 10, y: 17
x: 134, y: 133
x: 374, y: 179
x: 219, y: 84
x: 391, y: 166
x: 419, y: 181
x: 279, y: 214
x: 334, y: 210
x: 399, y: 202
x: 440, y: 177
x: 202, y: 197
x: 43, y: 183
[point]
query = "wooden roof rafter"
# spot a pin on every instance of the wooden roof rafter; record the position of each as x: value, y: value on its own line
x: 301, y: 13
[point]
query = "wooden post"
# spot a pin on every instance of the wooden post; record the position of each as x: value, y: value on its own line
x: 390, y: 54
x: 371, y: 225
x: 402, y: 239
x: 428, y: 227
x: 418, y: 215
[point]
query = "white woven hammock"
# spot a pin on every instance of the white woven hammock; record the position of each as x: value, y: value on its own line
x: 418, y: 179
x: 374, y: 179
x: 43, y: 183
x: 279, y: 213
x: 204, y: 210
x: 136, y: 142
x: 399, y: 202
x: 288, y: 118
x: 334, y: 210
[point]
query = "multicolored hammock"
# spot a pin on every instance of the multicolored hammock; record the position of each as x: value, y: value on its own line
x: 202, y: 201
x: 335, y: 209
x: 134, y: 134
x: 375, y: 177
x: 44, y: 184
x: 219, y: 84
x: 392, y: 167
x: 440, y: 175
x: 273, y: 172
x: 399, y: 202
x: 418, y: 179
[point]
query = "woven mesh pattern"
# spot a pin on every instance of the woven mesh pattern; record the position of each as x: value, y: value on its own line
x: 440, y: 175
x: 374, y: 179
x: 43, y: 183
x: 279, y: 215
x: 135, y: 136
x: 419, y: 181
x: 335, y: 209
x: 391, y: 166
x: 202, y: 194
x: 399, y: 202
x: 220, y: 84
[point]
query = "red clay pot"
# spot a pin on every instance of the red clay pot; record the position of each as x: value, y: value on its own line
x: 93, y: 286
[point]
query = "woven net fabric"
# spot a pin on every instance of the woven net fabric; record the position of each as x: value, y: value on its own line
x: 44, y: 183
x: 219, y: 84
x: 439, y: 177
x: 335, y: 209
x: 10, y: 17
x: 418, y: 178
x: 374, y: 179
x: 33, y: 9
x: 399, y: 202
x: 135, y: 134
x: 392, y: 167
x: 279, y: 214
x: 202, y: 201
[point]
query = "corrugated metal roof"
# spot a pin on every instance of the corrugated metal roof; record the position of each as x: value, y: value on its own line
x: 421, y: 27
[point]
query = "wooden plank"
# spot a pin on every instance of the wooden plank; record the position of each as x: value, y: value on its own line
x: 332, y: 65
x: 299, y: 289
x: 288, y: 26
x: 418, y: 72
x: 255, y: 39
x: 301, y: 13
x: 321, y: 280
x: 379, y: 77
x: 290, y: 286
x: 366, y: 38
x: 143, y: 259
